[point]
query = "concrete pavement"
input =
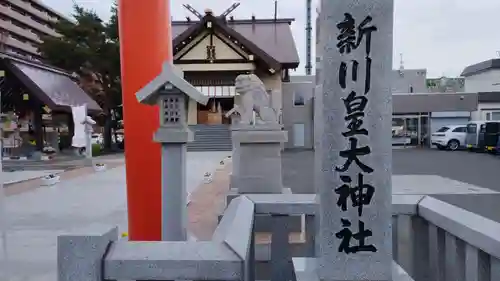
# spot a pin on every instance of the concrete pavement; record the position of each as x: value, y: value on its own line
x: 198, y: 164
x: 34, y: 219
x: 434, y: 185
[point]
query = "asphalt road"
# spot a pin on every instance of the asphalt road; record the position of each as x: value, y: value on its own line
x: 475, y: 168
x: 479, y: 169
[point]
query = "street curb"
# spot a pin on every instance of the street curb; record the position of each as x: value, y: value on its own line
x: 24, y: 158
x: 7, y: 184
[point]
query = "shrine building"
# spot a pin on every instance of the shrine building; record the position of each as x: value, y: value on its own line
x: 213, y: 50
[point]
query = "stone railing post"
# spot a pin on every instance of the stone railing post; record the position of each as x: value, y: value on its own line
x: 311, y: 225
x: 97, y: 255
x: 228, y: 256
x: 411, y: 244
x: 79, y: 256
x: 420, y: 244
x: 236, y: 230
x: 281, y: 262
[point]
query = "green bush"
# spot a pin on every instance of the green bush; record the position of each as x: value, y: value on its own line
x: 96, y: 149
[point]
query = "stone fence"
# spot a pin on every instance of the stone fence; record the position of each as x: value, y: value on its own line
x: 432, y: 241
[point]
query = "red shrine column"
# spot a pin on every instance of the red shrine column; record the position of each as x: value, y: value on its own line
x: 145, y: 30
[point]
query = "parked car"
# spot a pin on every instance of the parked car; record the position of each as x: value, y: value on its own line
x: 482, y: 135
x: 475, y: 135
x: 498, y: 146
x: 491, y: 136
x: 450, y: 137
x: 397, y: 130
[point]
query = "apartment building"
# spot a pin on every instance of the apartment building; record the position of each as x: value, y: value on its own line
x: 22, y: 23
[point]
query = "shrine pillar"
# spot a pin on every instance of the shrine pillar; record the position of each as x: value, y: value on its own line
x: 145, y: 29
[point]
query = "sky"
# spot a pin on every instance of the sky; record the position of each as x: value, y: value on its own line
x: 443, y: 36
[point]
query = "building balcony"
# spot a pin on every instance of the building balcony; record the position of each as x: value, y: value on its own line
x: 432, y: 241
x: 19, y: 31
x: 33, y: 11
x: 29, y: 21
x: 11, y: 42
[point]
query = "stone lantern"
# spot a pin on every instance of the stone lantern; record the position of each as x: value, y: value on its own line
x: 171, y: 93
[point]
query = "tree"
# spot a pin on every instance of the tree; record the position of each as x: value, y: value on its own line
x: 90, y: 48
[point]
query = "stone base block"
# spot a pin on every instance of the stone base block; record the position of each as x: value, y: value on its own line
x: 263, y: 223
x: 270, y: 184
x: 233, y: 193
x: 259, y: 134
x: 232, y: 182
x: 306, y: 269
x: 257, y: 158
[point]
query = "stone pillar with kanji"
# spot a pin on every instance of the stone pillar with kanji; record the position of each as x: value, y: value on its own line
x: 354, y: 152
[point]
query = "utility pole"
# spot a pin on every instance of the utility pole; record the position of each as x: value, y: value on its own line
x: 3, y: 208
x: 275, y: 10
x: 308, y: 37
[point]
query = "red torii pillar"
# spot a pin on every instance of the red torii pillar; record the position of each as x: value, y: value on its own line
x: 145, y: 43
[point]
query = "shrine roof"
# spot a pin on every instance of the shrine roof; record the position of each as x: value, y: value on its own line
x: 269, y: 38
x: 52, y: 86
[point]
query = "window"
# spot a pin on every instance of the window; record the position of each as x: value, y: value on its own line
x: 495, y: 116
x: 442, y: 130
x: 460, y: 130
x: 492, y: 115
x: 471, y: 128
x: 482, y: 129
x: 298, y: 99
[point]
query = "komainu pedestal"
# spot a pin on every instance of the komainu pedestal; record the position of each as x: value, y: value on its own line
x: 257, y: 166
x: 258, y: 153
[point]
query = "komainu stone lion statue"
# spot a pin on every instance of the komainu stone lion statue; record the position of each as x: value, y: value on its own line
x: 254, y: 98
